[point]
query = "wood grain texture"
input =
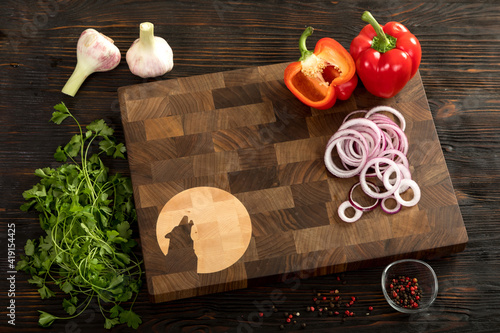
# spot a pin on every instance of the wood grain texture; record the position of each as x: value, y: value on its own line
x: 272, y: 177
x: 461, y: 77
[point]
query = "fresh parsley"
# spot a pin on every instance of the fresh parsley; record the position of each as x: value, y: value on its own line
x: 86, y: 213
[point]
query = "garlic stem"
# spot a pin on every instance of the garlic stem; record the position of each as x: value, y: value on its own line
x: 147, y: 34
x: 76, y: 79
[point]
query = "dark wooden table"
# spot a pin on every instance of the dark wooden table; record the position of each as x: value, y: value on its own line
x: 460, y: 72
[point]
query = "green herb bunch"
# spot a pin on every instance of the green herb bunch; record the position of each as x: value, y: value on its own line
x: 86, y: 214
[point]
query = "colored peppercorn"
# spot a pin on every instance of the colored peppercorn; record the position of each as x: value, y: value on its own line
x: 405, y: 292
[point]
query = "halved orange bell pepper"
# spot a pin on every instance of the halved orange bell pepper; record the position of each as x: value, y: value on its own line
x: 314, y: 77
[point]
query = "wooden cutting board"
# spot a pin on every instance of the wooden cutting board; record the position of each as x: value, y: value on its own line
x: 231, y: 189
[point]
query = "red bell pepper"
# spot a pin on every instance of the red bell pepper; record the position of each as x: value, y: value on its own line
x: 345, y: 90
x: 314, y: 77
x: 386, y: 57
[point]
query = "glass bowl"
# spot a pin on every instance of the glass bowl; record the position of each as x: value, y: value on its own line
x: 423, y: 290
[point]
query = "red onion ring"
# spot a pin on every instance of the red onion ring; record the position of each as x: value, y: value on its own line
x: 356, y: 204
x: 416, y: 193
x: 390, y: 210
x: 366, y: 188
x: 330, y: 165
x: 341, y: 211
x: 395, y: 112
x: 362, y: 125
x: 353, y: 113
x: 405, y: 172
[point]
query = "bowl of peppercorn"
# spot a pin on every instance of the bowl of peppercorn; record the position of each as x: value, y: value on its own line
x: 409, y: 285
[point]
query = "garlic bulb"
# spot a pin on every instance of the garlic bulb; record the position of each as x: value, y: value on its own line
x: 149, y: 56
x: 95, y: 52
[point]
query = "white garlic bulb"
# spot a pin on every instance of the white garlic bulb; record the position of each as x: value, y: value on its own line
x: 149, y: 55
x: 95, y: 52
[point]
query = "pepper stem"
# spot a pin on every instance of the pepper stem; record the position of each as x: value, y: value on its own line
x: 381, y: 42
x: 304, y: 52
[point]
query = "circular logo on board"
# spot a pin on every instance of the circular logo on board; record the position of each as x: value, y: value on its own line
x: 213, y: 222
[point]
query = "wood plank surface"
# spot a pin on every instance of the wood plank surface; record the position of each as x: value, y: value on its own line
x: 459, y: 72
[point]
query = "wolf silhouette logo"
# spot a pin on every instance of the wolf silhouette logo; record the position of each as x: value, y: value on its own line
x: 204, y: 229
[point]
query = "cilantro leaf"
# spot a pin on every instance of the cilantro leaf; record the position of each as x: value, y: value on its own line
x: 69, y: 307
x: 123, y: 229
x: 21, y: 265
x: 132, y: 319
x: 116, y: 280
x: 45, y: 292
x: 119, y: 151
x: 109, y: 323
x: 46, y: 319
x: 116, y: 310
x: 61, y: 107
x: 100, y: 128
x: 29, y: 248
x: 60, y: 114
x: 60, y: 155
x: 67, y: 287
x: 35, y: 279
x: 72, y: 148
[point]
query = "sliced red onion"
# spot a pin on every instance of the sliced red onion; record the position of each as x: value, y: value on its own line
x: 341, y: 211
x: 373, y: 145
x: 390, y: 210
x: 405, y: 172
x: 395, y: 112
x: 357, y: 205
x: 398, y: 137
x: 401, y: 157
x: 416, y: 193
x: 367, y: 126
x: 379, y: 118
x: 330, y: 165
x: 402, y: 163
x: 354, y: 113
x: 366, y: 188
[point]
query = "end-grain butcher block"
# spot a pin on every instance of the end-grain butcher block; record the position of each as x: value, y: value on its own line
x: 231, y: 188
